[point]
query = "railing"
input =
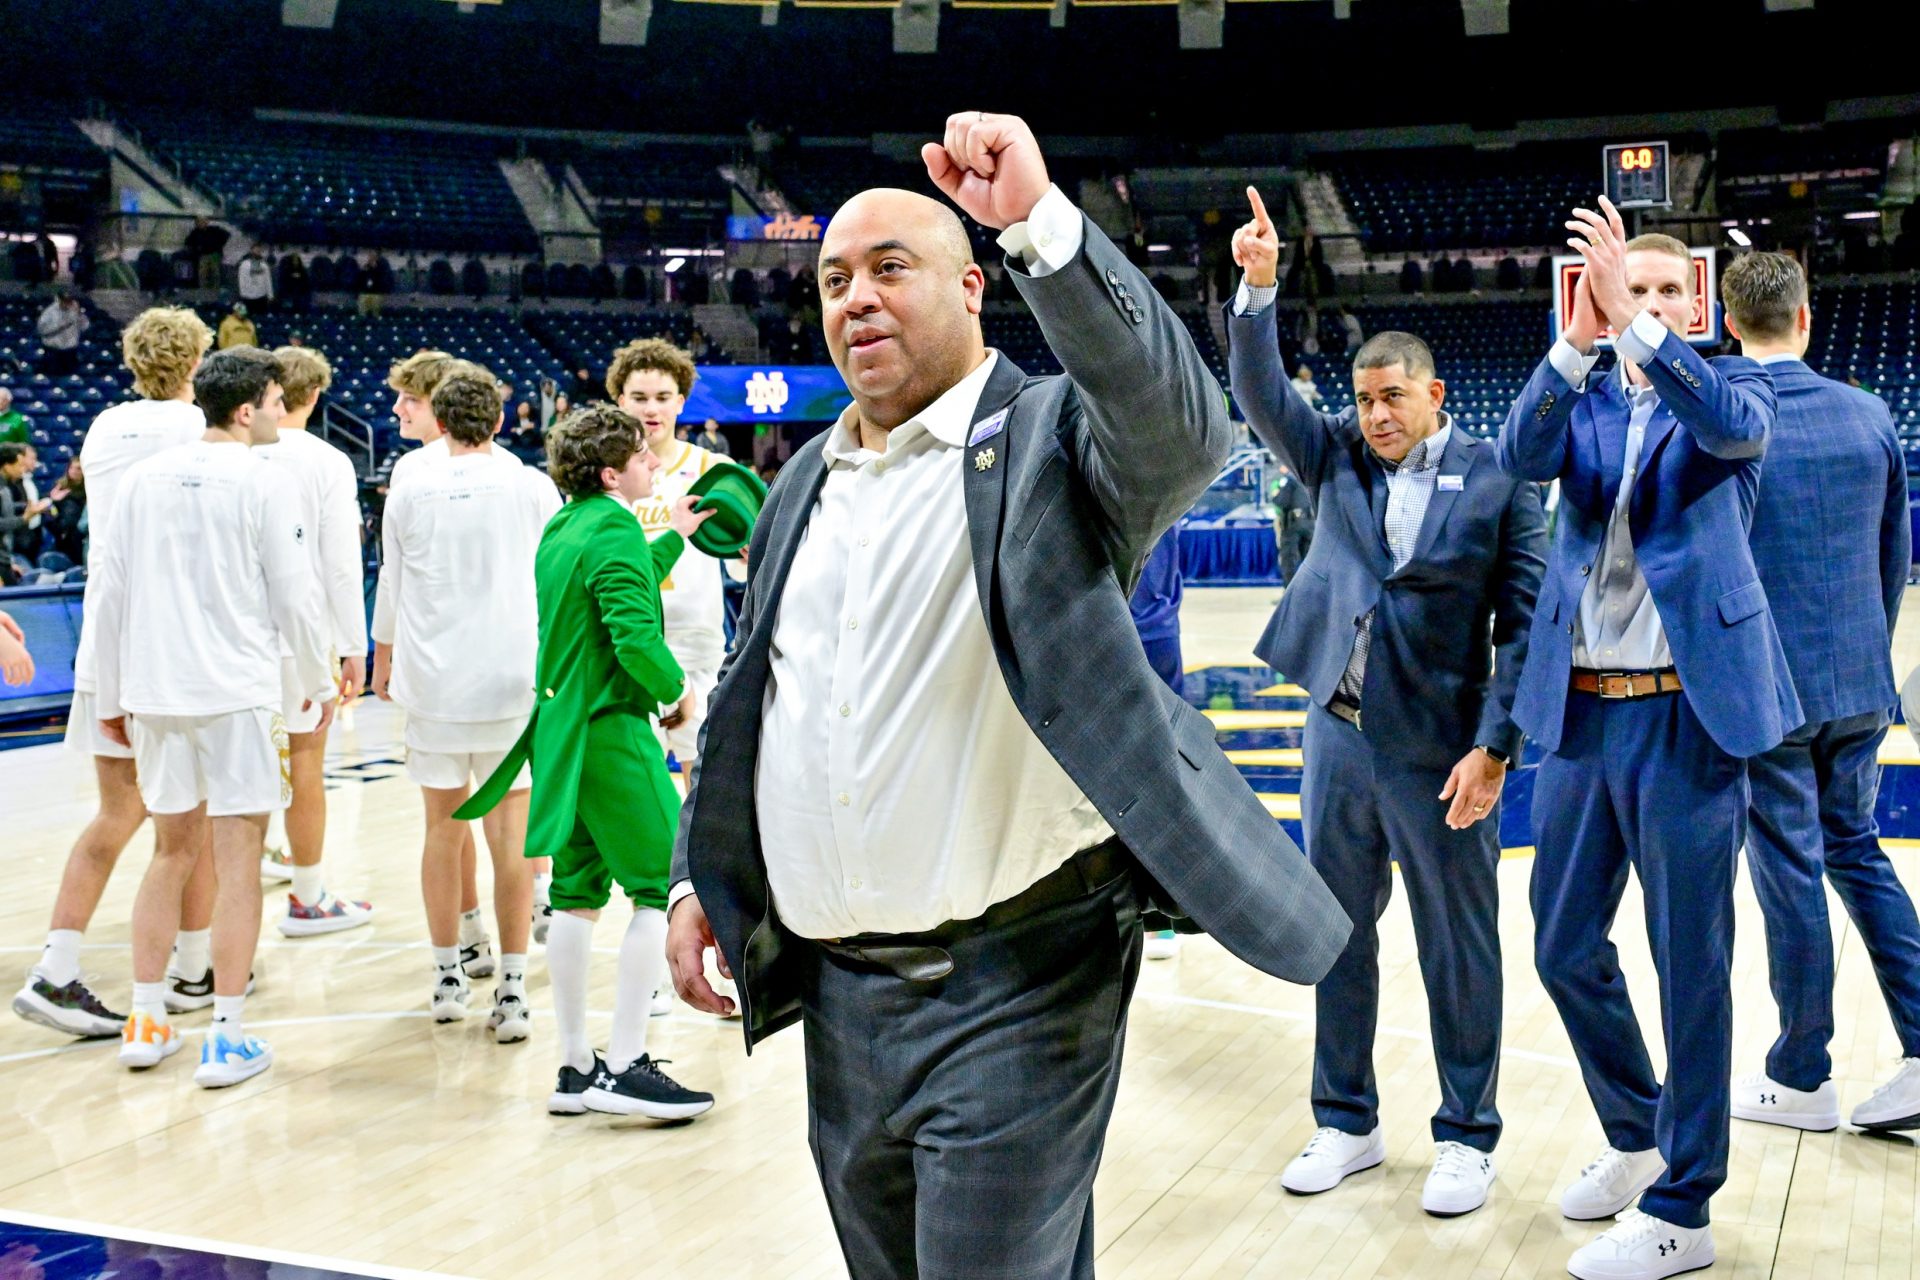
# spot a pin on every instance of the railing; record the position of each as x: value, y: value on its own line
x: 351, y: 434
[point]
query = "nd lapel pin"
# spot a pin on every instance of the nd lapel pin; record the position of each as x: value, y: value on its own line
x: 983, y: 460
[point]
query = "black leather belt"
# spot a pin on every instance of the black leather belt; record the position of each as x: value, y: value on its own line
x: 1348, y: 711
x: 924, y: 956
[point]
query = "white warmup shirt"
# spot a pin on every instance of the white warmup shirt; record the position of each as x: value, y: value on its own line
x: 432, y: 451
x: 330, y: 512
x: 118, y: 438
x: 690, y: 598
x: 456, y: 595
x: 203, y: 573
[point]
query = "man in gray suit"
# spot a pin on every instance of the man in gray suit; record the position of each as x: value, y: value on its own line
x: 939, y: 779
x: 1408, y: 626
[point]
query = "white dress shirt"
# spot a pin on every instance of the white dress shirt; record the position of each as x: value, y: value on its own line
x: 1619, y: 624
x: 1410, y: 484
x: 899, y: 787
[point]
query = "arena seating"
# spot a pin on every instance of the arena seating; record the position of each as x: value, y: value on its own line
x: 318, y: 184
x: 587, y: 339
x: 662, y: 193
x: 41, y: 137
x: 1460, y: 198
x: 1017, y: 334
x: 59, y: 409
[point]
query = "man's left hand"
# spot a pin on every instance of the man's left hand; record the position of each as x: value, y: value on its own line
x: 1601, y: 239
x: 1474, y: 787
x: 353, y: 678
x: 990, y: 166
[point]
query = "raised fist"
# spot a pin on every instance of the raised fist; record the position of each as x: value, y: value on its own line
x: 990, y: 166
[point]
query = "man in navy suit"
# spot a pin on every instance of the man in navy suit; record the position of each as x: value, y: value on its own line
x: 1653, y: 675
x: 1407, y: 624
x: 1833, y: 546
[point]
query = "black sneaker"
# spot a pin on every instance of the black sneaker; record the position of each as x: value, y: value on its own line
x: 71, y: 1009
x: 184, y: 994
x: 567, y: 1098
x: 643, y: 1089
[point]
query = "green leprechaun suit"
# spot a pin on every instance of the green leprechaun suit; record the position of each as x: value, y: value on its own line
x: 603, y: 806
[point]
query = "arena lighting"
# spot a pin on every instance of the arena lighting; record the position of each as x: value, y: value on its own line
x: 316, y: 15
x: 1739, y: 237
x: 1862, y: 213
x: 674, y: 264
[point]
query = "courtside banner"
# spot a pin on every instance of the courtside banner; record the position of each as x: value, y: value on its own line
x: 1703, y: 330
x: 778, y: 226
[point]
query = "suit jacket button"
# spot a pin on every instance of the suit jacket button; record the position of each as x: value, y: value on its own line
x: 1585, y: 569
x: 1569, y: 628
x: 1113, y: 277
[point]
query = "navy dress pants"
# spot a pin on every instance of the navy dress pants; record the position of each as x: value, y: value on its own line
x: 1813, y: 798
x: 1359, y: 808
x: 1640, y: 783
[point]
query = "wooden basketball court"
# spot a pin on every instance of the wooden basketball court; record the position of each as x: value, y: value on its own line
x: 380, y: 1142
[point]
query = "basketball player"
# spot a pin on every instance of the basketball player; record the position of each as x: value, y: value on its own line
x: 162, y: 348
x: 650, y: 379
x: 455, y: 628
x: 330, y: 511
x: 413, y: 382
x: 202, y: 579
x: 604, y: 808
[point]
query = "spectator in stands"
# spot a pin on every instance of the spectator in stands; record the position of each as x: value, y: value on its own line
x: 296, y: 339
x: 697, y: 345
x: 1412, y: 279
x: 373, y: 282
x: 49, y: 256
x: 13, y: 423
x: 1351, y: 323
x: 524, y: 436
x: 255, y: 281
x: 562, y: 405
x: 80, y: 265
x: 1292, y: 518
x: 27, y: 266
x: 1306, y: 331
x: 803, y: 296
x: 19, y: 541
x: 237, y: 330
x: 1304, y: 384
x: 205, y: 243
x: 712, y: 440
x: 30, y: 486
x: 295, y: 287
x: 60, y: 327
x: 66, y: 522
x: 584, y: 390
x: 548, y: 394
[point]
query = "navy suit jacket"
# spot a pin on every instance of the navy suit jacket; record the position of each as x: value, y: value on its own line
x: 1690, y: 514
x: 1832, y: 541
x: 1450, y: 627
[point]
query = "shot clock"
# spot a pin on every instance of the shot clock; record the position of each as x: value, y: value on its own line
x: 1637, y: 175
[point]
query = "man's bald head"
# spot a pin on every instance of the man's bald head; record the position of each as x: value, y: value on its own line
x: 900, y: 298
x: 933, y: 226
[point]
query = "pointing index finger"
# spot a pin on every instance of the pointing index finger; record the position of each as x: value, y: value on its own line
x: 1260, y: 218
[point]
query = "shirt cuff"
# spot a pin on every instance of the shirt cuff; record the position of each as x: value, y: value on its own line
x: 1571, y: 365
x: 1050, y: 237
x: 1641, y: 339
x: 1252, y: 299
x: 682, y: 890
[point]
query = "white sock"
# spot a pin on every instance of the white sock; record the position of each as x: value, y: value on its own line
x: 150, y: 998
x: 227, y: 1011
x: 643, y: 963
x: 542, y: 890
x: 309, y: 883
x: 569, y: 953
x: 60, y: 962
x: 446, y: 957
x: 193, y: 952
x: 513, y: 967
x: 473, y: 929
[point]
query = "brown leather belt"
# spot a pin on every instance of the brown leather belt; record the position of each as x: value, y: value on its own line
x: 1626, y: 684
x: 924, y: 957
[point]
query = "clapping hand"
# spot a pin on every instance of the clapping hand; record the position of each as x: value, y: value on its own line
x: 990, y: 166
x: 16, y: 664
x: 1256, y: 246
x: 1601, y: 239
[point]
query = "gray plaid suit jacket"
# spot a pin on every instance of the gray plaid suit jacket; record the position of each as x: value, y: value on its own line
x: 1831, y: 540
x: 1091, y: 468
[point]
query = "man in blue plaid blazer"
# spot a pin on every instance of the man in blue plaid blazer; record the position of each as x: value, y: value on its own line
x: 1833, y: 545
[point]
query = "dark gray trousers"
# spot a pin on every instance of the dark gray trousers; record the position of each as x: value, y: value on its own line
x: 1360, y: 808
x: 957, y: 1124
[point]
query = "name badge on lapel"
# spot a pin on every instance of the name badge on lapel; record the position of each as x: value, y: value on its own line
x: 1452, y: 484
x: 987, y: 428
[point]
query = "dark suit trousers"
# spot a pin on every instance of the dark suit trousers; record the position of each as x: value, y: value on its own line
x: 1641, y: 784
x: 1813, y: 798
x: 1359, y: 808
x: 957, y: 1124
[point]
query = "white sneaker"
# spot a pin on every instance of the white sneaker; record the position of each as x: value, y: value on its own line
x: 1330, y: 1155
x: 1461, y: 1177
x: 511, y: 1020
x: 276, y: 865
x: 476, y: 957
x: 1761, y: 1098
x: 1895, y: 1104
x: 450, y: 993
x: 662, y: 1003
x: 1163, y: 944
x: 1611, y: 1183
x: 1643, y: 1247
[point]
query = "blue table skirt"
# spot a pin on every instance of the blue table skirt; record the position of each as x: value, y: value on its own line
x: 1223, y: 554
